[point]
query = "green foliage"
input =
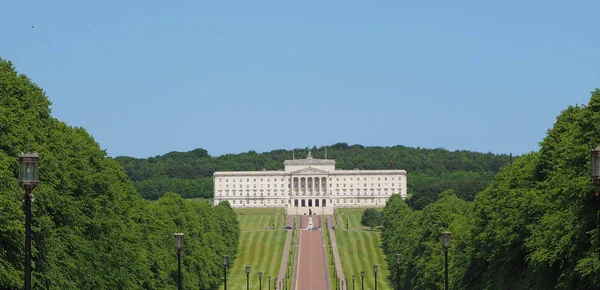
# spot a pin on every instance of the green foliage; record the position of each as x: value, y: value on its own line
x: 431, y: 170
x: 91, y: 230
x: 371, y: 218
x: 536, y: 226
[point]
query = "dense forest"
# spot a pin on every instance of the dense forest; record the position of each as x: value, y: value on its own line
x: 91, y: 229
x: 536, y: 226
x: 430, y: 170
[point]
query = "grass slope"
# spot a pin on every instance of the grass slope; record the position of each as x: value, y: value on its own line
x: 261, y: 249
x: 360, y: 249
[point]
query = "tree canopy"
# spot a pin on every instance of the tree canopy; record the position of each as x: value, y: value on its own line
x: 91, y: 229
x: 536, y: 226
x: 371, y: 218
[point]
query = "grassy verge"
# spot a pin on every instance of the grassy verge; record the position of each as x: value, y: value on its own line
x: 360, y: 249
x: 261, y: 249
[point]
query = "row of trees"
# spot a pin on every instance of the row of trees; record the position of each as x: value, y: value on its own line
x: 91, y: 230
x: 536, y: 226
x: 190, y: 173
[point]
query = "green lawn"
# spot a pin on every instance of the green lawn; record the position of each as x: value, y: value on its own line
x: 261, y: 249
x: 360, y: 249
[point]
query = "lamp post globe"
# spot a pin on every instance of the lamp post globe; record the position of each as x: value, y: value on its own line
x: 179, y: 247
x: 596, y: 168
x: 375, y: 270
x: 28, y: 180
x: 247, y: 277
x: 362, y: 280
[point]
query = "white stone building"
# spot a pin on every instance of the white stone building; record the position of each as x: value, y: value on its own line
x: 308, y: 184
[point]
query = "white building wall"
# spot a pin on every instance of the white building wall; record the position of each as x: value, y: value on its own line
x: 343, y: 188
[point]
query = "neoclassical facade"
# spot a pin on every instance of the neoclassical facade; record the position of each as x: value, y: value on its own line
x: 308, y: 184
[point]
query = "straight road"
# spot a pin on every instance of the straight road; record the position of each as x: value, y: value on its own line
x: 311, y: 266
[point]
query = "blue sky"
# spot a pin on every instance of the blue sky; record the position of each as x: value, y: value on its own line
x: 149, y: 77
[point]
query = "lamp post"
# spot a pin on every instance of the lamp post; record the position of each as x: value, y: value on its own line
x: 287, y: 278
x: 362, y: 278
x: 397, y: 271
x: 596, y: 171
x: 342, y: 282
x: 269, y: 282
x: 446, y: 245
x: 353, y: 277
x: 225, y: 271
x: 179, y: 247
x: 375, y: 269
x: 247, y: 277
x: 28, y: 180
x: 259, y: 280
x: 596, y: 179
x: 347, y: 284
x: 275, y: 283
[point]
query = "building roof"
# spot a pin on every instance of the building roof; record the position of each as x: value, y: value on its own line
x: 309, y: 161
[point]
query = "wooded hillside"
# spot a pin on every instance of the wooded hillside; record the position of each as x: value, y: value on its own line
x: 431, y: 171
x: 91, y: 229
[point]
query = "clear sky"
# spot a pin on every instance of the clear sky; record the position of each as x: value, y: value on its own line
x: 149, y: 77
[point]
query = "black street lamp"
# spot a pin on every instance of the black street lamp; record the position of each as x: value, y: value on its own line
x: 347, y: 284
x: 362, y: 278
x: 375, y: 269
x: 353, y: 277
x: 596, y: 179
x: 342, y: 282
x: 596, y: 172
x: 179, y: 247
x: 28, y: 180
x: 247, y: 277
x: 397, y: 271
x: 225, y: 271
x: 259, y: 280
x: 446, y: 245
x: 595, y: 168
x: 269, y: 282
x: 275, y: 283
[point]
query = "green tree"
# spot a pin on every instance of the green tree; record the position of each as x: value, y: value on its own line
x: 371, y: 218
